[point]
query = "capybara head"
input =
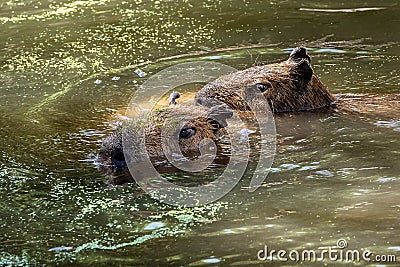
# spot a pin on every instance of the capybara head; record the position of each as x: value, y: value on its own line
x: 189, y: 124
x: 288, y: 86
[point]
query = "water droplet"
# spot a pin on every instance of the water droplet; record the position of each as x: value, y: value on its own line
x: 211, y: 260
x: 154, y: 225
x: 325, y: 173
x: 62, y: 248
x: 140, y: 73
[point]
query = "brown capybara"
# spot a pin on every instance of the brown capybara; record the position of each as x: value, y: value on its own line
x: 291, y: 86
x: 288, y: 86
x: 200, y: 123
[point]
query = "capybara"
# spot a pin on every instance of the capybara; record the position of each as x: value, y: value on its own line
x: 288, y: 86
x: 199, y: 123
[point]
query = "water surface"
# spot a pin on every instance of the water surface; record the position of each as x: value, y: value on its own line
x: 68, y: 67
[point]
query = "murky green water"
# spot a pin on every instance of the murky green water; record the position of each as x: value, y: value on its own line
x: 68, y: 66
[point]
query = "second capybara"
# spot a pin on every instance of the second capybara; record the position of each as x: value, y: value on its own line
x: 189, y: 124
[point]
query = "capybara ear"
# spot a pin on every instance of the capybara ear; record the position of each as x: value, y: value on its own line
x: 219, y: 114
x: 298, y: 54
x: 173, y: 97
x: 302, y: 73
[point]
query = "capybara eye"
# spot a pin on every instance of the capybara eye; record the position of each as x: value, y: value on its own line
x: 263, y: 87
x: 186, y: 133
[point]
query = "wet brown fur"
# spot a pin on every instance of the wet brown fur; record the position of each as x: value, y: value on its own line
x: 379, y: 106
x: 291, y: 86
x: 198, y: 118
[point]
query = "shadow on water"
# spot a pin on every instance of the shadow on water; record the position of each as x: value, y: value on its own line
x: 69, y: 68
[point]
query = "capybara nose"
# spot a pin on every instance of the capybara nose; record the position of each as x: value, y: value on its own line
x: 118, y: 159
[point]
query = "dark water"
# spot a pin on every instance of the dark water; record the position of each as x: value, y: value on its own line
x: 67, y: 67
